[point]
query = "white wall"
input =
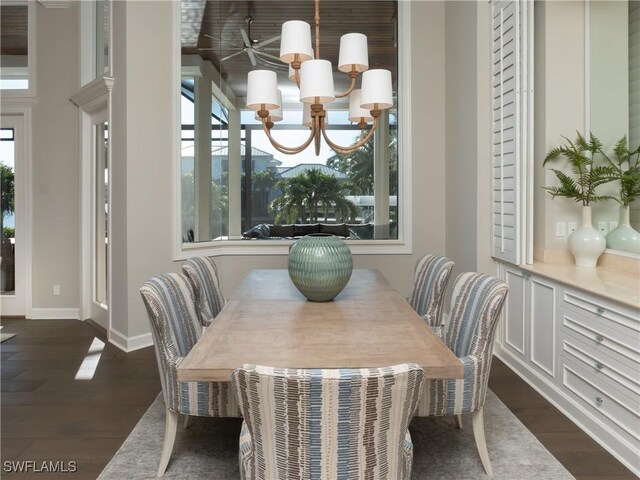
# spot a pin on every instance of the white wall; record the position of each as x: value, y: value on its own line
x: 56, y: 165
x: 468, y: 114
x: 461, y: 133
x: 559, y: 110
x: 142, y: 159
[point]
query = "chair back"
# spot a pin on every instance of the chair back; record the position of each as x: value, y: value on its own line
x: 175, y: 327
x: 203, y: 275
x: 328, y: 423
x: 476, y: 303
x: 431, y: 275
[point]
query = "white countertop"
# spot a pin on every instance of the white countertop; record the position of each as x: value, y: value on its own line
x: 622, y: 287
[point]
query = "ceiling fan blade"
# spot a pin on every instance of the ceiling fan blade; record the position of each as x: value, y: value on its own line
x: 267, y: 55
x: 252, y: 57
x: 267, y: 41
x: 231, y: 56
x: 218, y: 39
x: 245, y: 38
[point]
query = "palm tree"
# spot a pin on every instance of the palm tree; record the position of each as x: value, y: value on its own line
x: 358, y: 166
x: 304, y: 194
x: 7, y: 186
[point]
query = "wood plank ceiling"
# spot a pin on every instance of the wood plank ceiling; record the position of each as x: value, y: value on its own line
x: 13, y: 30
x: 224, y: 19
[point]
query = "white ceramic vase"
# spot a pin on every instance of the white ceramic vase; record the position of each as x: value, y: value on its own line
x: 586, y: 243
x: 624, y: 237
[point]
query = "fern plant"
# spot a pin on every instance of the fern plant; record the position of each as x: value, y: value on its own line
x: 581, y: 155
x: 626, y: 167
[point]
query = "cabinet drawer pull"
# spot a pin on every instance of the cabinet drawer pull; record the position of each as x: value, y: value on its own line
x: 599, y: 338
x: 599, y: 366
x: 600, y: 310
x: 526, y: 275
x: 599, y: 401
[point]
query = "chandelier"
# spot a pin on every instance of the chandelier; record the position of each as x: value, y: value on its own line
x: 314, y: 78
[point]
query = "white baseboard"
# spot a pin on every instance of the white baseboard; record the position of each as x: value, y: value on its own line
x: 129, y: 344
x: 55, y: 314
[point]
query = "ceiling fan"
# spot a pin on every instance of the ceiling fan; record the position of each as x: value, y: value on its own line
x: 253, y: 48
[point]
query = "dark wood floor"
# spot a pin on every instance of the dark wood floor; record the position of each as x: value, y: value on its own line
x: 48, y: 415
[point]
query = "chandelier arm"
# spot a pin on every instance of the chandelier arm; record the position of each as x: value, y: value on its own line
x: 351, y: 87
x: 354, y: 147
x: 288, y: 150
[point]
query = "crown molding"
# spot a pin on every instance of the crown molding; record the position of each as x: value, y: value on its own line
x: 7, y: 101
x: 92, y: 93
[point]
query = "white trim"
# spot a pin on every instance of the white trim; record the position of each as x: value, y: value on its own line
x: 93, y: 96
x: 518, y: 274
x: 176, y: 181
x: 587, y: 69
x: 281, y: 247
x: 94, y: 102
x: 26, y: 200
x: 54, y: 314
x: 17, y: 102
x: 129, y: 344
x: 31, y: 57
x: 55, y: 3
x: 532, y: 342
x: 401, y: 246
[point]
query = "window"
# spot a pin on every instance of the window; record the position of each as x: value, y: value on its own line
x: 14, y: 47
x: 232, y: 179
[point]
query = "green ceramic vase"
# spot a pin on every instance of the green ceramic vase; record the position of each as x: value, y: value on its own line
x: 320, y: 266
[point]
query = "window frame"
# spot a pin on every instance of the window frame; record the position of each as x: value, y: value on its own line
x: 402, y: 245
x: 30, y: 91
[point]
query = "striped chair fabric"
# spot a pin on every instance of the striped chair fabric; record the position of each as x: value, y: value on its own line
x: 430, y: 280
x: 324, y: 424
x: 203, y: 275
x: 175, y: 328
x: 477, y: 301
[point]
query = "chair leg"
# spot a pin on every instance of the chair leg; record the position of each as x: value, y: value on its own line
x: 458, y: 420
x: 170, y: 427
x: 478, y: 433
x: 185, y: 425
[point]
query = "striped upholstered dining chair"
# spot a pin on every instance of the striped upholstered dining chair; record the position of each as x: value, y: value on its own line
x: 430, y: 279
x: 476, y: 303
x: 322, y: 424
x: 203, y: 275
x: 175, y: 328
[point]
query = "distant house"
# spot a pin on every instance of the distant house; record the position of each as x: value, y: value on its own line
x: 260, y: 160
x: 305, y: 167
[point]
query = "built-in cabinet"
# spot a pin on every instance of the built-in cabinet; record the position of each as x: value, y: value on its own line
x: 581, y: 351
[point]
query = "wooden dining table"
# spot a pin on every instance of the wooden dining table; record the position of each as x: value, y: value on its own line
x: 268, y: 322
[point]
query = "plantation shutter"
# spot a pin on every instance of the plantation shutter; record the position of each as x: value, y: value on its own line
x: 512, y: 93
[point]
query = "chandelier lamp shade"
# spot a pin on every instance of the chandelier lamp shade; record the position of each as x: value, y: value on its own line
x: 314, y: 78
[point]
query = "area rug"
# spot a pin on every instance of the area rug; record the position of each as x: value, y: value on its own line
x: 208, y: 449
x: 6, y: 336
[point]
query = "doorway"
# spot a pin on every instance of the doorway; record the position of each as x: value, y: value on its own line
x: 14, y: 225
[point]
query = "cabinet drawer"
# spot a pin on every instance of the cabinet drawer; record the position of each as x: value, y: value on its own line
x: 604, y: 404
x: 621, y: 319
x: 603, y: 367
x: 598, y: 333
